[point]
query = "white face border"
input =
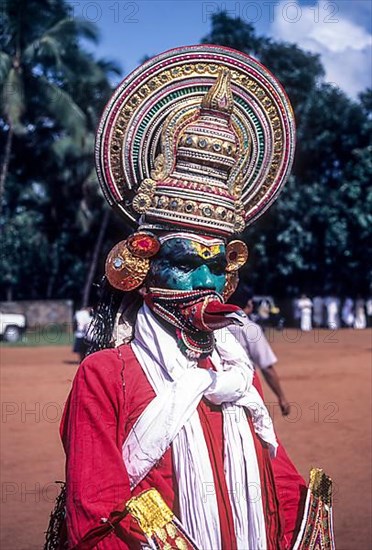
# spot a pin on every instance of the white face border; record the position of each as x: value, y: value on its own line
x: 206, y: 241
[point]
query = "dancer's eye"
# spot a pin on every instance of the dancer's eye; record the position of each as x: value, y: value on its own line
x: 186, y: 267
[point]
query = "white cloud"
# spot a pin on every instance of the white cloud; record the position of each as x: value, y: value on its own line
x: 344, y: 45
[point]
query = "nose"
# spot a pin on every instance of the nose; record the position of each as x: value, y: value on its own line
x: 203, y: 278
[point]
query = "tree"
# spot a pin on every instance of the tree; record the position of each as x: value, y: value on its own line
x: 314, y: 238
x: 233, y: 33
x: 35, y: 60
x: 297, y: 70
x: 47, y: 130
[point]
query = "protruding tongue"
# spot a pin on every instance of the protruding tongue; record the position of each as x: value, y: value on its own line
x: 209, y: 313
x: 218, y: 315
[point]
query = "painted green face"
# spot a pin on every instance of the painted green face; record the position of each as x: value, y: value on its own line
x: 185, y: 264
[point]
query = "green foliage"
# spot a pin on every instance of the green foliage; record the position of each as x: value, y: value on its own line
x: 233, y: 33
x: 24, y: 252
x: 52, y: 93
x: 315, y: 237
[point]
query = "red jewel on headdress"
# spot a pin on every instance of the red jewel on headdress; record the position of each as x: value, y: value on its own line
x: 143, y: 245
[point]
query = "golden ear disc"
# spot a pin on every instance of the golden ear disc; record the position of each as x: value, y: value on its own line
x: 236, y: 255
x: 125, y: 271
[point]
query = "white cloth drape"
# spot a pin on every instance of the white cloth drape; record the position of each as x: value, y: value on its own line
x: 172, y: 418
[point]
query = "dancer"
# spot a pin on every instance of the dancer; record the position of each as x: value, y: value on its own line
x: 193, y: 146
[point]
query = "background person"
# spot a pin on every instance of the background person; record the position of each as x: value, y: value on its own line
x: 332, y: 304
x: 369, y: 311
x: 347, y: 313
x: 255, y: 343
x: 318, y: 311
x: 263, y: 311
x: 82, y: 319
x: 296, y: 312
x: 360, y: 321
x: 305, y: 305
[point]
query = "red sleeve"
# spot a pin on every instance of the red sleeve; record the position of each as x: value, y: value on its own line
x: 92, y: 432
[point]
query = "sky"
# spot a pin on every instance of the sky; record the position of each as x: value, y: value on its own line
x: 340, y: 31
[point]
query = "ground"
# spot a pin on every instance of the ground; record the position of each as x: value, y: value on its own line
x: 326, y: 376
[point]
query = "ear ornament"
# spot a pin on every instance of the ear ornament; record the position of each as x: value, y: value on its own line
x: 236, y: 256
x: 128, y: 262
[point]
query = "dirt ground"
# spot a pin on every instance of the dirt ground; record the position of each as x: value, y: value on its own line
x: 326, y: 376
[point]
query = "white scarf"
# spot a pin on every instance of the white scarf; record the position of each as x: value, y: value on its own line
x: 172, y: 418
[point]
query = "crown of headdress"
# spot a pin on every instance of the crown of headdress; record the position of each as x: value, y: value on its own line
x: 198, y: 138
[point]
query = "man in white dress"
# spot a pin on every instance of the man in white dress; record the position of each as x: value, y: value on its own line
x: 305, y: 305
x: 318, y: 311
x: 333, y: 305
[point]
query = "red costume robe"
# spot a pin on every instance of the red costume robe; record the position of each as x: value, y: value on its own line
x: 109, y: 393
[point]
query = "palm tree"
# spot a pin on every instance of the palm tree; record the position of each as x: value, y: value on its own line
x: 51, y: 93
x: 42, y: 60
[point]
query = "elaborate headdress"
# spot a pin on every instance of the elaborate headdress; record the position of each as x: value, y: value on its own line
x: 197, y: 139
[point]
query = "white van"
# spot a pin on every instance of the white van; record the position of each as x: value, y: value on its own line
x: 12, y: 326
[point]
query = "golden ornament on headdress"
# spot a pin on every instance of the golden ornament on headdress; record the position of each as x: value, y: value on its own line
x: 190, y: 179
x: 209, y: 125
x: 220, y: 98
